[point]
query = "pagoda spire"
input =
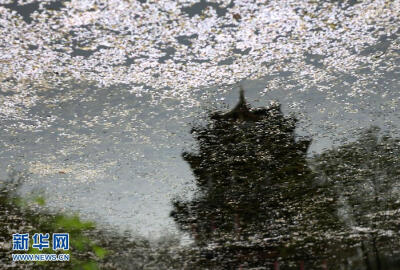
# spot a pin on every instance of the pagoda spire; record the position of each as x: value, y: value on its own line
x: 240, y: 112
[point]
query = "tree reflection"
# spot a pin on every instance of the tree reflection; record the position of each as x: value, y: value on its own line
x: 257, y: 200
x: 366, y: 174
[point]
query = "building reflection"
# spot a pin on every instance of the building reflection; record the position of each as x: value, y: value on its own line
x: 257, y: 200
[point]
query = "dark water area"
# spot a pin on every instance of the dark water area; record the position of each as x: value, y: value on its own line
x: 123, y: 123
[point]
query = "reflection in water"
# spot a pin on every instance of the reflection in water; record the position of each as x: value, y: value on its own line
x: 258, y: 203
x: 366, y: 177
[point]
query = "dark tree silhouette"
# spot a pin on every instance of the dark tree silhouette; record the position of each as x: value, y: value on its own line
x: 366, y: 175
x: 256, y: 197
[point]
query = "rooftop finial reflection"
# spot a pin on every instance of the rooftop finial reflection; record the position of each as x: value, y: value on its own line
x: 242, y: 111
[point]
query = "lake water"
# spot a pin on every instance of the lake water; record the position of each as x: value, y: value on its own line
x: 98, y: 99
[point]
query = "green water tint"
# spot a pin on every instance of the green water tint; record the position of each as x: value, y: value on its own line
x: 85, y: 251
x: 90, y: 247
